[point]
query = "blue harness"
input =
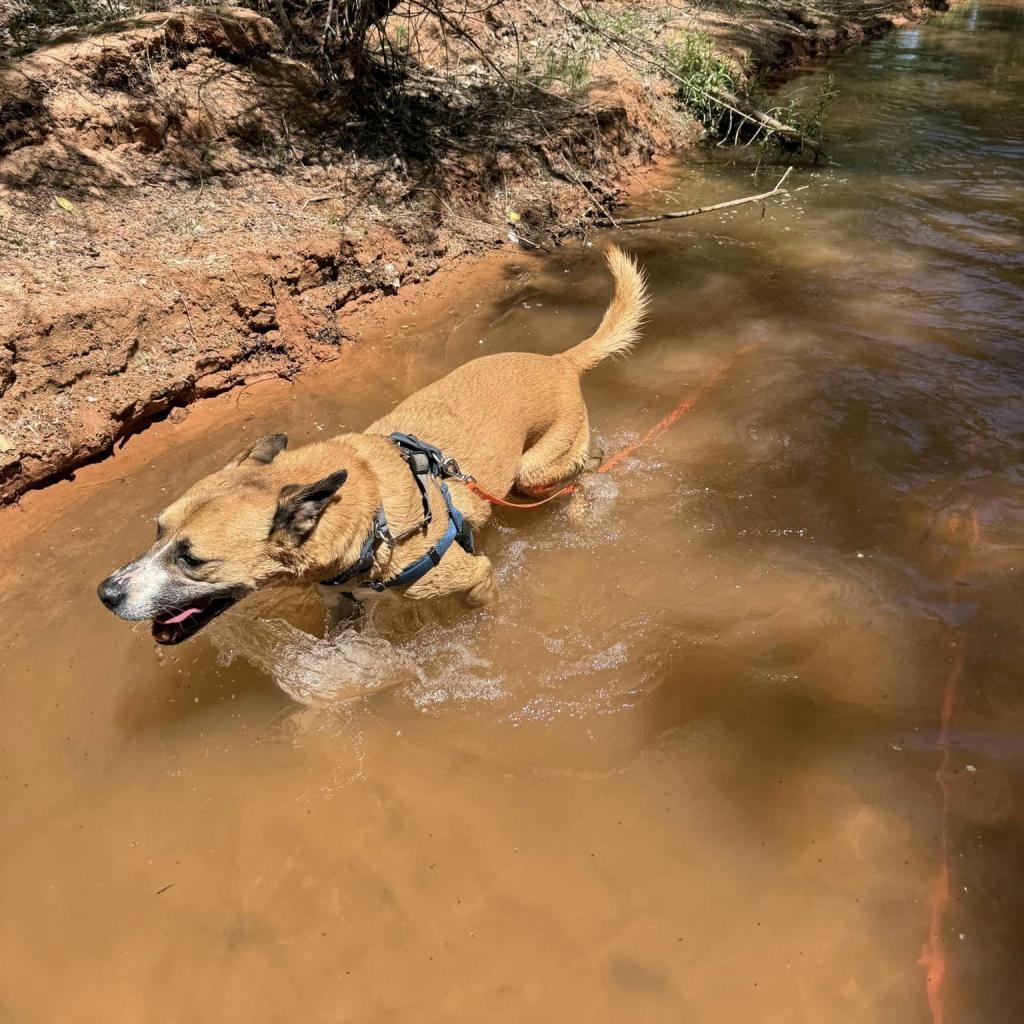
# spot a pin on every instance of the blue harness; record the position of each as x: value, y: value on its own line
x: 426, y: 463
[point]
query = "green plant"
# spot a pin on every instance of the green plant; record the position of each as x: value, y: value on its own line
x: 809, y: 117
x: 711, y: 86
x: 628, y: 21
x: 702, y: 73
x: 571, y: 68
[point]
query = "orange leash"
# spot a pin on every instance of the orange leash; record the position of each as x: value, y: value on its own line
x: 933, y: 953
x: 685, y: 406
x: 495, y: 500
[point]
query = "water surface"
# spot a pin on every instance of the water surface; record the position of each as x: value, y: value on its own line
x: 747, y: 703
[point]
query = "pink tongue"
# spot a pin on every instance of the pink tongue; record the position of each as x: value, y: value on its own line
x: 179, y: 618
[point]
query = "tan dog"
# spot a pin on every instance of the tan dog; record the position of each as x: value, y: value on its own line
x: 271, y: 516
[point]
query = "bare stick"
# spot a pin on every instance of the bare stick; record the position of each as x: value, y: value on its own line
x: 676, y: 214
x: 317, y: 199
x: 188, y: 313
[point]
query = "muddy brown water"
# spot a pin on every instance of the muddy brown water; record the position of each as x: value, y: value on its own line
x: 748, y: 703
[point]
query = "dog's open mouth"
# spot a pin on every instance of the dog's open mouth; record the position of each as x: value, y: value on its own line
x: 174, y: 628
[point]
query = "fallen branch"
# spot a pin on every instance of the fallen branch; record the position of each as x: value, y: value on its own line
x: 722, y: 97
x: 766, y: 121
x: 676, y: 214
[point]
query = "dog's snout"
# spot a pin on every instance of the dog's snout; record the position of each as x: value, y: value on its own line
x: 111, y: 592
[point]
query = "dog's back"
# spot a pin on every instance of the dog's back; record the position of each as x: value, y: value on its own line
x: 518, y: 418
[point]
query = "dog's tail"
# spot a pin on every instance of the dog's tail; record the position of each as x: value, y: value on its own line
x: 620, y: 327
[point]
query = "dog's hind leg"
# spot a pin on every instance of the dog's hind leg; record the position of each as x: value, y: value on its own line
x: 558, y: 457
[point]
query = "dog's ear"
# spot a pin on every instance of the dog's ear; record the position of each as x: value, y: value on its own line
x: 264, y: 451
x: 300, y: 506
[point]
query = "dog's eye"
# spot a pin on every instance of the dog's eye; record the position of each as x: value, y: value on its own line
x: 188, y: 558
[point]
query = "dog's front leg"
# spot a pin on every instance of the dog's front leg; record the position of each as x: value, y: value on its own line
x: 484, y: 588
x: 340, y: 607
x: 459, y: 573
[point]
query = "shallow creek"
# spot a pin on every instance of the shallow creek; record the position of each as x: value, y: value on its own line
x: 744, y: 740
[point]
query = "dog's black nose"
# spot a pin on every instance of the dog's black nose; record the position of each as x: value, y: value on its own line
x: 111, y: 592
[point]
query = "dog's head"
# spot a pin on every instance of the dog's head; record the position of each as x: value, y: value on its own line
x: 234, y: 532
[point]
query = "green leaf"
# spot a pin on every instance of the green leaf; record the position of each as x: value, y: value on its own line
x: 65, y: 204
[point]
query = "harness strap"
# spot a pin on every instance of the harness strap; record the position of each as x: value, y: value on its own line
x: 425, y: 462
x: 379, y: 535
x: 456, y: 530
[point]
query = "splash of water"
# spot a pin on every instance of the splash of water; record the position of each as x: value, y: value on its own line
x: 432, y: 651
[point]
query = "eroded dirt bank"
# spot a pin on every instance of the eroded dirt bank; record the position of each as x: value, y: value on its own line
x: 184, y: 208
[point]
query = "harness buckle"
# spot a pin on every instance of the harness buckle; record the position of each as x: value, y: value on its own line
x: 451, y: 470
x: 419, y: 462
x: 381, y: 531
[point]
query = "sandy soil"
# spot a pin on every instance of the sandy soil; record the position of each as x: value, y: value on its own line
x: 183, y: 210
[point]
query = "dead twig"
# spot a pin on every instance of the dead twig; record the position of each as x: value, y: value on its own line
x: 677, y: 214
x: 191, y: 325
x: 597, y: 204
x: 606, y: 217
x: 283, y: 374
